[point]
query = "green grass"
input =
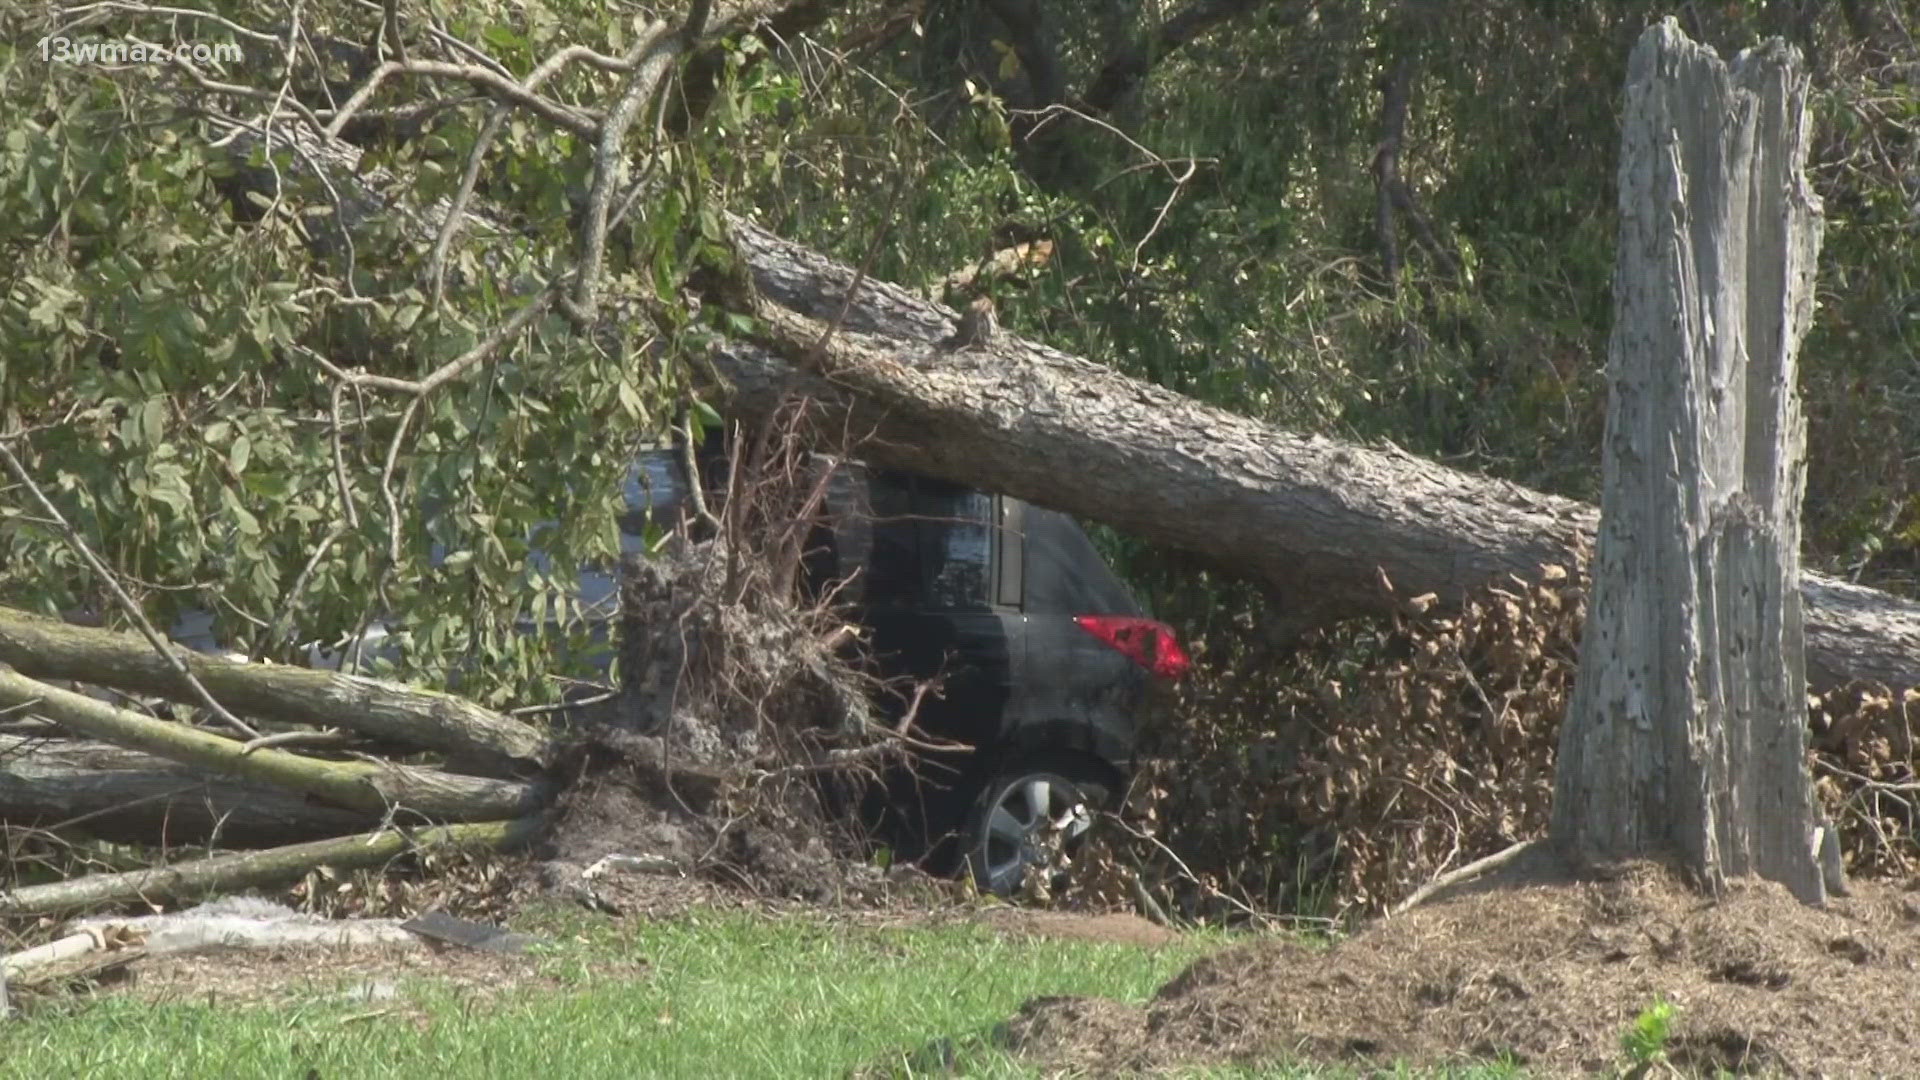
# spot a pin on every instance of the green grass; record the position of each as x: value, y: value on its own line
x: 721, y: 995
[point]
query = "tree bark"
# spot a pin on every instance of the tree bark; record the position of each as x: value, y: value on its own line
x: 1687, y: 730
x: 132, y: 797
x: 375, y: 788
x: 226, y: 873
x: 1316, y: 519
x: 45, y: 649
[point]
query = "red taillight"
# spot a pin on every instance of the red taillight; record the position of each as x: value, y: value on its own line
x: 1145, y: 642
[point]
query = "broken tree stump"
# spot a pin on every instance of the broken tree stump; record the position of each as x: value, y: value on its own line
x: 1687, y: 729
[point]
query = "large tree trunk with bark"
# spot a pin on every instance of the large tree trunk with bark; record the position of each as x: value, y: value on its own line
x: 1318, y: 520
x: 1687, y: 729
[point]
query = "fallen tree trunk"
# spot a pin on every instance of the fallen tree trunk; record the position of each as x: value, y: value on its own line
x: 46, y: 649
x: 244, y: 922
x: 1316, y: 519
x: 377, y: 788
x: 133, y: 797
x: 227, y: 873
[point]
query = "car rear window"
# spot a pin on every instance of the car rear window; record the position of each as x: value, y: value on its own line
x: 1066, y: 573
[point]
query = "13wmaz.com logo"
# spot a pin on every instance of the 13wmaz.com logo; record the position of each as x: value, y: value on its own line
x: 65, y: 50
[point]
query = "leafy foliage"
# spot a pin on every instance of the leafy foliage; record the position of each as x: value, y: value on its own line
x: 168, y: 319
x: 177, y: 306
x: 1645, y: 1042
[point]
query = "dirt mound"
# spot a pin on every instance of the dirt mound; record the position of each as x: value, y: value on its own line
x: 675, y: 826
x: 1547, y: 972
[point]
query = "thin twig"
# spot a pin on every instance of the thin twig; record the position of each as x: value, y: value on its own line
x: 493, y: 82
x: 386, y: 483
x: 563, y: 706
x: 326, y: 737
x: 1187, y: 872
x: 1866, y: 781
x: 452, y: 369
x: 74, y: 16
x: 1452, y: 877
x: 690, y: 461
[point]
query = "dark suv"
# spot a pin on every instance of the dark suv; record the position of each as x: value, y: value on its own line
x: 1046, y: 664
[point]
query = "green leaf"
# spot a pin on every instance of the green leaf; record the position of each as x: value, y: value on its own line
x: 630, y: 400
x: 153, y: 421
x: 240, y: 453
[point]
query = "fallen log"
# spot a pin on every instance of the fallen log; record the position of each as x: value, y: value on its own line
x: 228, y: 873
x: 21, y: 966
x: 245, y: 922
x: 1317, y: 520
x: 132, y: 797
x: 375, y: 787
x: 47, y: 649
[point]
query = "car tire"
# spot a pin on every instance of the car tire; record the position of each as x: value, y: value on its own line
x: 1029, y: 805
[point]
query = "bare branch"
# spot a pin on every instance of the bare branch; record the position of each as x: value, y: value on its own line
x: 457, y: 212
x: 77, y: 14
x: 696, y: 493
x: 609, y: 162
x: 450, y: 370
x: 491, y: 81
x: 1453, y: 877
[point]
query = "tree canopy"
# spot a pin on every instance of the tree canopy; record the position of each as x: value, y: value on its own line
x: 1388, y: 221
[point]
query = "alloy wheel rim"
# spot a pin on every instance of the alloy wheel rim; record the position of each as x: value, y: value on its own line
x: 1027, y: 819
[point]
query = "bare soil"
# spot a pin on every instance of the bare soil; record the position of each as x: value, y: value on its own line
x: 1542, y: 970
x: 1119, y: 928
x: 373, y: 976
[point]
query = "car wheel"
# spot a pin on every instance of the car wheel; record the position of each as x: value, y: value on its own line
x: 1029, y: 814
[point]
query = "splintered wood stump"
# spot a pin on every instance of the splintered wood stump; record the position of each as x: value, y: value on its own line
x: 1687, y: 728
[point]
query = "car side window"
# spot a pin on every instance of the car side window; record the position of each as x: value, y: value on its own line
x: 1010, y: 589
x: 893, y: 561
x: 954, y: 544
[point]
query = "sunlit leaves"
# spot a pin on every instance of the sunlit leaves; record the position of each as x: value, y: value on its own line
x: 159, y: 327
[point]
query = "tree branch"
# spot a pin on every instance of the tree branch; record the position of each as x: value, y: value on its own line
x: 230, y: 872
x: 1123, y: 72
x: 132, y: 610
x: 376, y: 788
x: 47, y: 649
x: 492, y: 82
